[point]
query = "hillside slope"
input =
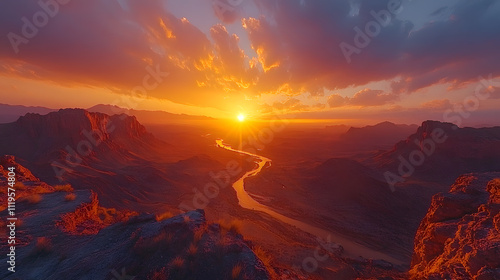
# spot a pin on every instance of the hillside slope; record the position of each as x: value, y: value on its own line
x: 62, y: 235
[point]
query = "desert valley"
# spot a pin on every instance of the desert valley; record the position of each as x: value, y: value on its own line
x: 98, y: 193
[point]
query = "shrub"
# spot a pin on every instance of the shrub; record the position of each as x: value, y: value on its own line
x: 34, y: 199
x: 20, y: 186
x: 178, y: 262
x: 70, y: 197
x: 193, y: 249
x: 43, y: 246
x: 41, y: 189
x: 266, y: 260
x: 150, y: 246
x: 263, y: 256
x: 64, y: 188
x: 164, y: 216
x: 236, y: 271
x: 19, y: 223
x: 233, y: 226
x: 198, y: 234
x: 158, y: 275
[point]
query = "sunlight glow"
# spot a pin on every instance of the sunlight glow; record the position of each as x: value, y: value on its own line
x: 241, y: 117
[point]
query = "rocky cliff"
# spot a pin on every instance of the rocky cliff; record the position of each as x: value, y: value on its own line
x: 459, y: 238
x: 37, y: 137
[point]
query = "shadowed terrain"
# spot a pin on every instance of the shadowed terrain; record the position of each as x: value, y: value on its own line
x: 123, y: 192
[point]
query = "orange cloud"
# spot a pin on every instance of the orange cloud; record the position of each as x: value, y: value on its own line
x: 439, y: 104
x: 365, y: 98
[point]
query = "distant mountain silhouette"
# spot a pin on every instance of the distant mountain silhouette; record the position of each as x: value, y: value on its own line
x: 36, y: 137
x: 10, y: 113
x: 378, y: 136
x: 144, y: 116
x: 448, y: 151
x: 112, y: 155
x: 337, y: 129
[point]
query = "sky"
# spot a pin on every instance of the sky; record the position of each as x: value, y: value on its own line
x: 397, y: 60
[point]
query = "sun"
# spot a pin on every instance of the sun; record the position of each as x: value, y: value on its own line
x: 241, y: 118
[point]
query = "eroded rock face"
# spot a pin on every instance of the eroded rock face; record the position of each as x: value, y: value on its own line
x: 77, y: 238
x: 22, y: 173
x: 459, y: 238
x: 26, y: 184
x: 35, y: 137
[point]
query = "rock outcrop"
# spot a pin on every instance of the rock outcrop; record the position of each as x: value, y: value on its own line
x: 115, y: 156
x: 37, y: 137
x: 459, y: 238
x: 26, y: 184
x: 381, y: 136
x: 440, y: 152
x: 90, y: 218
x: 77, y: 238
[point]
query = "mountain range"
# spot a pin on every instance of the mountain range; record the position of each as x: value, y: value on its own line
x: 116, y: 170
x: 10, y: 113
x: 113, y: 155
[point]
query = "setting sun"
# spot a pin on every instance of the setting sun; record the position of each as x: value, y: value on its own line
x: 241, y: 117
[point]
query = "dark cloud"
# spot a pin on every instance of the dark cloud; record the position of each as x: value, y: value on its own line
x: 439, y: 11
x: 299, y: 45
x: 228, y: 11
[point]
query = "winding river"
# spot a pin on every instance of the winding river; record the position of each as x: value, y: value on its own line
x: 351, y: 248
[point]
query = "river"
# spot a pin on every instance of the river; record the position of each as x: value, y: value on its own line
x: 352, y: 249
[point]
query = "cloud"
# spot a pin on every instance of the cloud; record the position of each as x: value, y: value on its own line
x: 228, y: 11
x: 364, y: 98
x: 491, y: 92
x: 456, y: 50
x: 440, y: 11
x: 291, y: 105
x: 438, y: 104
x: 336, y: 100
x: 99, y: 44
x: 368, y: 97
x: 231, y: 60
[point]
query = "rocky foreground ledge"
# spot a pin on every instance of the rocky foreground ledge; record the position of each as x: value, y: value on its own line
x: 459, y: 238
x: 65, y: 234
